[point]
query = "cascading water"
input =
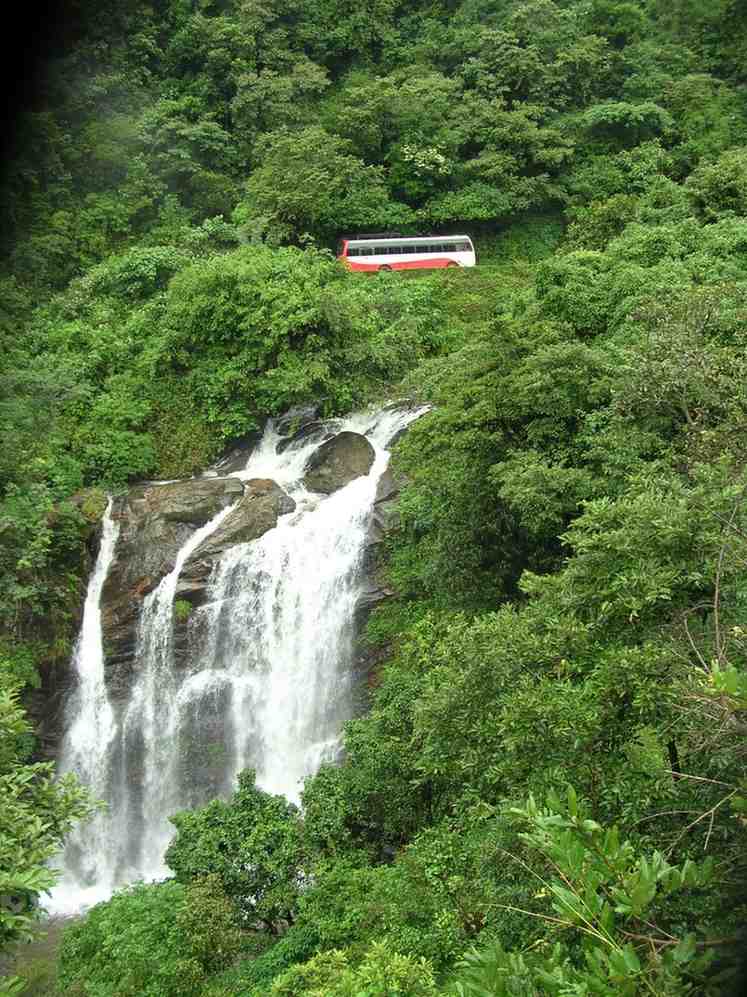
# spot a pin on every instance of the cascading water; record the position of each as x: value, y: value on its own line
x: 149, y: 727
x: 267, y: 683
x: 91, y: 729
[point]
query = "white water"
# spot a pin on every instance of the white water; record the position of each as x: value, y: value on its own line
x: 267, y: 682
x: 86, y: 742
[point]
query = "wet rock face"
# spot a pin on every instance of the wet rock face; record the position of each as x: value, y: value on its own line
x: 255, y: 513
x: 191, y: 502
x: 385, y: 518
x: 204, y: 745
x: 45, y: 705
x: 368, y: 658
x: 338, y: 462
x: 236, y: 458
x: 155, y: 521
x: 295, y: 419
x: 308, y: 433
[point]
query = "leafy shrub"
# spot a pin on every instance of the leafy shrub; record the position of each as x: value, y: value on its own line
x: 36, y: 813
x: 250, y: 843
x: 381, y: 973
x: 719, y: 189
x: 154, y: 940
x: 602, y: 889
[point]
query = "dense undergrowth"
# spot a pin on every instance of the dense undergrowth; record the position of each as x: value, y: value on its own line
x: 547, y: 795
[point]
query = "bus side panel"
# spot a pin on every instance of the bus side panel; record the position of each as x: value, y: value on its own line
x: 432, y: 263
x: 428, y: 263
x: 361, y: 267
x: 424, y: 261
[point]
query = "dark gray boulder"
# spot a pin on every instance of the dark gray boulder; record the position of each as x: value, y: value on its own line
x: 257, y: 512
x: 338, y: 462
x: 236, y: 457
x: 311, y: 432
x: 295, y: 418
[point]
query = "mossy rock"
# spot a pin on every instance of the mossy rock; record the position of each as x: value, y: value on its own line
x: 91, y: 503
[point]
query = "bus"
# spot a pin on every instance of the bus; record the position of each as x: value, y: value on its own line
x: 404, y: 252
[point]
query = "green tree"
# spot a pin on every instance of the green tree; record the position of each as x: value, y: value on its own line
x: 626, y: 124
x: 311, y: 182
x: 158, y: 940
x: 251, y: 843
x: 509, y: 160
x: 719, y: 189
x: 36, y: 813
x: 272, y: 98
x: 381, y: 973
x: 604, y: 890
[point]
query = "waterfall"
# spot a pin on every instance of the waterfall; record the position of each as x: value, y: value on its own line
x: 89, y: 734
x: 149, y: 727
x: 266, y: 683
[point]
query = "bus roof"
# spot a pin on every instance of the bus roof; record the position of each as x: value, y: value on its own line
x: 406, y: 238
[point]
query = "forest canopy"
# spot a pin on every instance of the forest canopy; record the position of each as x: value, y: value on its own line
x: 547, y: 794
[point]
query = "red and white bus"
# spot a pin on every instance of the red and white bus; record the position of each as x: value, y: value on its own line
x: 403, y: 252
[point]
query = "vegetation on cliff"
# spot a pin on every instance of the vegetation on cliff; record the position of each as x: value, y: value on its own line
x: 548, y: 793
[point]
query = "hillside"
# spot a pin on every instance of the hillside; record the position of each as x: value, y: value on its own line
x: 547, y: 794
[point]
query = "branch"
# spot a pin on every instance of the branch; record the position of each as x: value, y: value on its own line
x: 717, y: 591
x: 662, y: 942
x: 700, y: 778
x: 663, y: 813
x: 708, y: 813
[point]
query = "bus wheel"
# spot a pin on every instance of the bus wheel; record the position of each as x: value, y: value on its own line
x: 451, y: 264
x: 385, y: 269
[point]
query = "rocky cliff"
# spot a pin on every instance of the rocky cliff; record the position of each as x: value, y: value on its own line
x: 157, y: 518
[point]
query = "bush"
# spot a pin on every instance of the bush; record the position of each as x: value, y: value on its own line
x: 152, y: 940
x: 719, y: 189
x: 250, y: 843
x: 380, y: 974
